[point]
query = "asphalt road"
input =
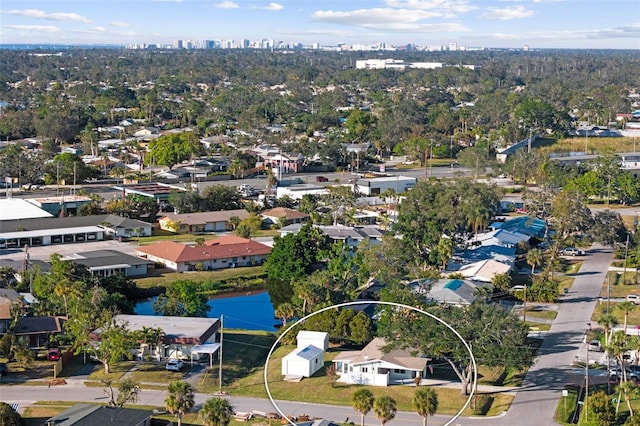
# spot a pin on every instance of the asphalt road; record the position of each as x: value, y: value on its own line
x: 541, y: 390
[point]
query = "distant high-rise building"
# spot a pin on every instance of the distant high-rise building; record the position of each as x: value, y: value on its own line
x: 178, y: 44
x: 244, y: 43
x: 525, y: 48
x: 453, y: 46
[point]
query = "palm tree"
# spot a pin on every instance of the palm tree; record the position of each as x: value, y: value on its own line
x: 362, y: 402
x: 285, y: 312
x: 216, y: 412
x: 628, y: 389
x: 425, y: 403
x: 607, y: 321
x: 627, y: 307
x: 385, y: 409
x: 180, y: 400
x: 534, y: 258
x: 445, y: 249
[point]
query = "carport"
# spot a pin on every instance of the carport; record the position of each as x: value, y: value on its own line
x: 207, y: 348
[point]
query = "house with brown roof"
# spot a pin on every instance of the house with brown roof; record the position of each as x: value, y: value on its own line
x: 282, y: 216
x: 224, y: 252
x: 194, y: 223
x: 38, y: 329
x: 372, y: 366
x: 8, y: 298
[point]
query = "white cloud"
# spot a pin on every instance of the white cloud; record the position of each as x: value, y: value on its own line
x: 624, y: 32
x: 507, y: 13
x: 97, y: 29
x: 41, y: 14
x: 387, y: 19
x: 119, y: 24
x: 226, y: 5
x: 34, y: 28
x: 444, y: 6
x: 274, y: 6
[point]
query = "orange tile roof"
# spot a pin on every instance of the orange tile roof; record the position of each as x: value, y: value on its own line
x: 284, y: 212
x: 176, y: 252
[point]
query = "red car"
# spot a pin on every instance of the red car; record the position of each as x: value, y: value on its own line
x: 54, y: 354
x: 321, y: 179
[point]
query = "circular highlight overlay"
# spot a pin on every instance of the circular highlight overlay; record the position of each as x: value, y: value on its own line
x: 367, y: 302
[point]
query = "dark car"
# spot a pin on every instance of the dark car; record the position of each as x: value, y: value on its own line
x: 4, y: 368
x: 321, y: 179
x: 53, y: 354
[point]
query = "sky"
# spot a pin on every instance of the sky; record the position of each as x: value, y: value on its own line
x: 600, y: 24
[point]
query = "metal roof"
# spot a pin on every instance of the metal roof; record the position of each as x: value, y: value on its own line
x: 50, y: 232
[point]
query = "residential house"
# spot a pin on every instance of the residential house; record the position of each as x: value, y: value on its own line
x: 350, y: 236
x: 105, y: 263
x: 124, y: 227
x: 147, y: 133
x: 308, y: 356
x: 483, y: 270
x: 372, y: 366
x: 100, y: 415
x: 224, y: 252
x: 506, y: 255
x: 526, y: 225
x: 501, y: 237
x: 285, y: 163
x: 448, y: 291
x: 282, y: 216
x: 8, y: 298
x: 194, y: 223
x: 36, y: 330
x: 182, y: 334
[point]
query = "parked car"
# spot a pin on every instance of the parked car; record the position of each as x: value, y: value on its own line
x: 321, y: 179
x: 4, y: 369
x: 634, y: 298
x: 175, y: 365
x: 595, y: 345
x: 572, y: 251
x: 53, y: 354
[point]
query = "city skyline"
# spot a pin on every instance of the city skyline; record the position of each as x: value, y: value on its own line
x: 472, y: 23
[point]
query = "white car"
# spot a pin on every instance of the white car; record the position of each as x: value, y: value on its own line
x: 572, y: 251
x: 175, y: 365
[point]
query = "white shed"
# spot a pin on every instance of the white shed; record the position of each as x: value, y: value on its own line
x: 303, y: 362
x: 319, y: 339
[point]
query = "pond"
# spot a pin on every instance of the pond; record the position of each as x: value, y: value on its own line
x: 250, y: 311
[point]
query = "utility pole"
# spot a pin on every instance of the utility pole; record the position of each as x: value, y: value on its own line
x: 626, y: 252
x: 524, y: 308
x: 220, y: 354
x: 586, y: 379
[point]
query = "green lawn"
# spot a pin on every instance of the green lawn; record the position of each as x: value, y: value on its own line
x: 164, y: 277
x: 319, y: 389
x: 601, y: 308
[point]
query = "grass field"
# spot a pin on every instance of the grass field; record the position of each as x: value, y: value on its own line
x: 319, y: 389
x: 164, y: 277
x: 593, y: 145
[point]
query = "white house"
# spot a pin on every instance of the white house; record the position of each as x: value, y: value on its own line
x: 371, y: 366
x: 319, y: 339
x: 303, y: 362
x: 308, y: 356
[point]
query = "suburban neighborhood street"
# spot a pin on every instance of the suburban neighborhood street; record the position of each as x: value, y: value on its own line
x: 539, y: 394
